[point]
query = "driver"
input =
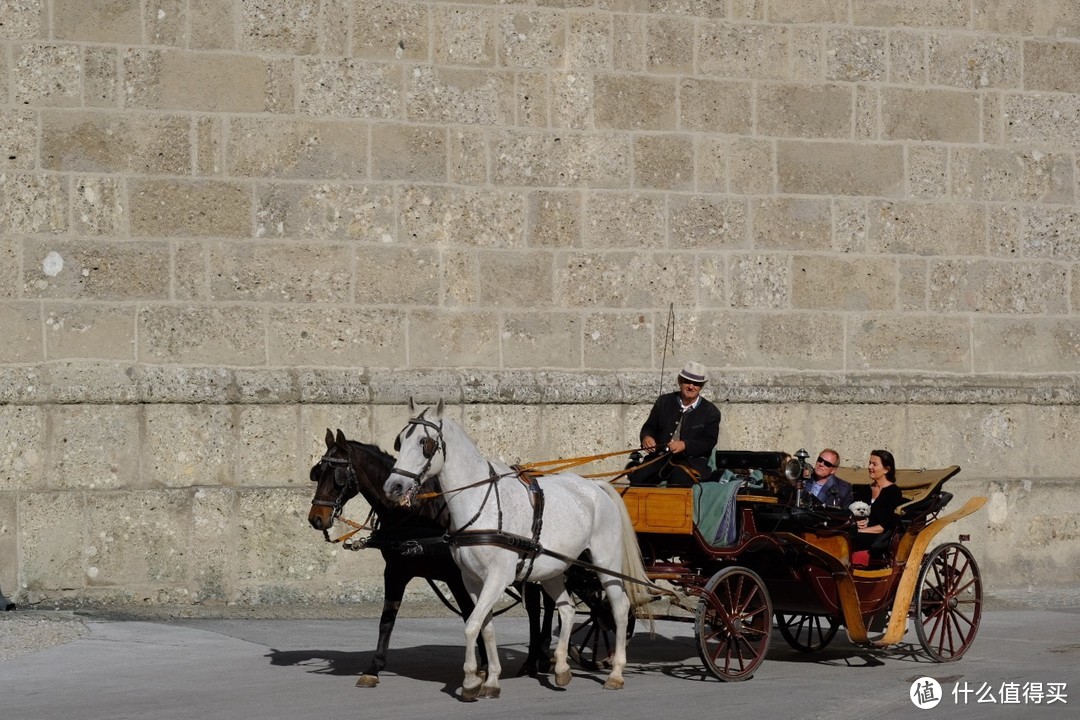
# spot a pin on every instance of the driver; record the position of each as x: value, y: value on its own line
x: 685, y: 424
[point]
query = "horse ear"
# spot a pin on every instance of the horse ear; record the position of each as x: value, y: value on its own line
x: 439, y: 409
x: 341, y: 441
x: 329, y: 439
x: 412, y: 406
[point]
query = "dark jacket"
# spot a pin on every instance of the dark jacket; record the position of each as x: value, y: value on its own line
x: 700, y: 427
x: 883, y: 510
x: 835, y: 493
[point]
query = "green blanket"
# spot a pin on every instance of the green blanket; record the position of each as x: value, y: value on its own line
x: 715, y: 513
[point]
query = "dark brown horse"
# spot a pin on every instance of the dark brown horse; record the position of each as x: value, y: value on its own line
x: 411, y: 544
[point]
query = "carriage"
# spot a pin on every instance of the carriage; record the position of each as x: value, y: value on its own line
x: 753, y: 549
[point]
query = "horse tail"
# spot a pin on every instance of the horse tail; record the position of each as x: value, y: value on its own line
x: 632, y: 566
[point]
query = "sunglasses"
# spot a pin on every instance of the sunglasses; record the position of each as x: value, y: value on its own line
x: 825, y: 462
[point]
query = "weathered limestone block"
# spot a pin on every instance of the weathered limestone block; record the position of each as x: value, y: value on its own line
x: 974, y: 62
x: 915, y: 13
x: 213, y: 24
x: 926, y: 228
x: 463, y: 217
x: 280, y: 272
x: 90, y: 331
x: 297, y: 149
x: 829, y: 283
x: 571, y: 101
x: 927, y: 171
x: 1050, y: 120
x: 998, y: 287
x: 95, y: 269
x: 199, y: 334
x: 531, y: 39
x: 814, y: 111
x: 265, y: 446
x: 762, y: 426
x: 931, y: 115
x: 81, y: 382
x: 835, y: 168
x: 788, y: 340
x: 554, y: 159
x: 760, y: 281
x: 267, y: 26
x: 712, y: 290
x: 206, y: 82
x: 664, y: 162
x: 100, y: 21
x: 628, y: 42
x: 9, y: 267
x: 1051, y: 232
x: 743, y: 51
x: 386, y: 275
x: 138, y: 538
x: 623, y: 279
x: 907, y: 57
x: 570, y: 431
x: 706, y: 222
x: 856, y: 55
x: 515, y: 278
x: 634, y: 102
x: 463, y: 35
x: 470, y: 337
x: 22, y: 455
x: 589, y: 42
x: 23, y: 384
x: 348, y: 336
x: 213, y: 535
x: 459, y: 278
x: 188, y: 445
x: 20, y: 326
x: 325, y: 212
x: 264, y: 386
x: 390, y: 30
x: 18, y: 139
x: 716, y: 106
x: 624, y: 220
x: 1004, y: 225
x: 617, y: 339
x: 96, y: 142
x: 911, y: 290
x: 743, y: 165
x: 23, y: 20
x: 200, y: 208
x: 1029, y: 345
x: 1050, y: 65
x: 1053, y: 18
x: 274, y: 541
x: 9, y: 542
x: 179, y: 384
x: 93, y: 447
x: 553, y: 218
x: 413, y: 153
x: 97, y: 206
x: 467, y: 151
x: 47, y: 75
x: 52, y: 540
x: 979, y: 438
x: 669, y: 45
x: 315, y: 420
x: 33, y: 203
x: 791, y: 223
x: 541, y: 339
x: 167, y: 24
x: 461, y: 96
x: 908, y: 342
x: 510, y: 433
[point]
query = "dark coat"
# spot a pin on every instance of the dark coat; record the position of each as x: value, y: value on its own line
x: 835, y: 493
x: 700, y: 427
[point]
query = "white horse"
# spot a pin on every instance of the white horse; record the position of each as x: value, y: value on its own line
x: 487, y: 502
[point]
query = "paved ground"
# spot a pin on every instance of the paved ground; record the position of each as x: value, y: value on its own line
x: 93, y: 667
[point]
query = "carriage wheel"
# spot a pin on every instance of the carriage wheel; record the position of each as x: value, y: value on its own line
x: 592, y: 641
x: 733, y: 623
x: 807, y: 633
x: 948, y: 602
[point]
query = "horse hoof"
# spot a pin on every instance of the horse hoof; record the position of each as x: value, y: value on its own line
x: 613, y: 684
x: 470, y: 694
x: 563, y: 679
x: 367, y: 681
x: 490, y: 693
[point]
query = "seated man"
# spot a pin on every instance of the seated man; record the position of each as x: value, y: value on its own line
x: 824, y: 486
x: 685, y: 424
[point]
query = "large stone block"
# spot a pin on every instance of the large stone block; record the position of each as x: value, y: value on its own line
x: 297, y: 149
x: 265, y: 448
x: 280, y: 272
x: 95, y: 269
x: 33, y: 203
x: 97, y: 206
x: 22, y: 453
x: 759, y: 52
x: 531, y: 339
x: 765, y: 427
x: 1029, y: 345
x: 791, y: 223
x: 181, y: 80
x: 413, y: 153
x: 90, y: 331
x: 907, y: 57
x: 393, y: 29
x: 137, y: 539
x: 213, y: 528
x: 830, y: 283
x: 325, y: 212
x: 706, y: 222
x: 47, y: 75
x: 201, y: 208
x: 10, y: 269
x: 928, y: 171
x: 23, y: 20
x: 460, y: 338
x: 1007, y: 174
x: 52, y: 541
x: 460, y: 278
x: 386, y: 275
x: 467, y: 151
x: 624, y: 220
x: 553, y: 218
x: 814, y: 111
x: 834, y: 168
x: 274, y: 541
x: 188, y: 445
x: 788, y: 340
x: 1052, y: 18
x: 669, y: 45
x: 213, y: 24
x: 930, y: 115
x: 199, y: 334
x: 623, y: 279
x: 760, y: 281
x: 99, y: 21
x: 628, y: 42
x: 573, y: 431
x: 463, y: 35
x: 515, y: 278
x: 534, y: 159
x: 926, y: 228
x: 9, y: 544
x: 974, y: 62
x: 716, y: 106
x: 1051, y: 232
x: 856, y: 55
x: 96, y: 142
x: 981, y: 439
x: 664, y: 162
x: 88, y: 382
x: 18, y: 139
x: 617, y: 340
x: 510, y: 433
x: 908, y: 342
x: 531, y: 39
x: 464, y: 217
x: 634, y: 102
x: 1041, y: 119
x: 914, y: 13
x: 272, y: 27
x: 20, y: 325
x: 460, y: 96
x: 590, y: 42
x: 996, y: 286
x: 348, y: 336
x: 911, y: 281
x: 93, y: 447
x: 1051, y: 66
x: 168, y: 25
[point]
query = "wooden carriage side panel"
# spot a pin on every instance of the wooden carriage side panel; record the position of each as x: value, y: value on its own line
x: 660, y: 510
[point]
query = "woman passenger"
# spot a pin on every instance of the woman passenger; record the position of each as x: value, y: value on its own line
x: 874, y: 532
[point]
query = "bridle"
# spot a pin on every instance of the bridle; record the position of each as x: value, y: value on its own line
x: 429, y: 445
x: 347, y: 489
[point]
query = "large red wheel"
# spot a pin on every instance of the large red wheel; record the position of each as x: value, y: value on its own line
x: 807, y: 633
x: 733, y: 623
x: 948, y: 602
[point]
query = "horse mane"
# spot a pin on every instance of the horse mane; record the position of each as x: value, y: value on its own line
x: 375, y: 451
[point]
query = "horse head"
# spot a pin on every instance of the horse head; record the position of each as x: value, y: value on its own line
x: 336, y: 482
x: 421, y: 454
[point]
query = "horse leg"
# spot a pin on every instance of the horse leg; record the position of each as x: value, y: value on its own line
x: 479, y: 623
x: 394, y: 583
x: 620, y: 609
x: 539, y: 657
x: 465, y: 604
x: 556, y: 588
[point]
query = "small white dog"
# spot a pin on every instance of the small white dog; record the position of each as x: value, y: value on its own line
x: 859, y: 509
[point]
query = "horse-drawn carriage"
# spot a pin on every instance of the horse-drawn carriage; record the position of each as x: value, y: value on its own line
x: 730, y: 555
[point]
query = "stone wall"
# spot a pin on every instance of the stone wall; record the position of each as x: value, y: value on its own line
x: 226, y: 225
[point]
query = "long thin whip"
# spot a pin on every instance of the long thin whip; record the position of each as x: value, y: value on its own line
x: 669, y: 332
